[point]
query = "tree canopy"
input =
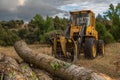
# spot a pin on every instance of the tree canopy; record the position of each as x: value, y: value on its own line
x: 111, y: 20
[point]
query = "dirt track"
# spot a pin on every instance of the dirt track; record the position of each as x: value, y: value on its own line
x: 102, y: 64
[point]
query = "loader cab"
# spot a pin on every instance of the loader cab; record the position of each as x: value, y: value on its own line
x: 80, y: 18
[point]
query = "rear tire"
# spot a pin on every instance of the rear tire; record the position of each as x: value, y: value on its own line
x: 100, y: 49
x: 90, y: 48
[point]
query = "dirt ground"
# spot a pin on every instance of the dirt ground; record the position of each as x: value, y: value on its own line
x: 101, y: 64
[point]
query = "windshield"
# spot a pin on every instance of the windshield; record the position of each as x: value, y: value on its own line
x: 80, y: 19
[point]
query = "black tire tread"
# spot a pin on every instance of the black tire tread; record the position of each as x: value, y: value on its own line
x: 88, y: 48
x: 100, y: 43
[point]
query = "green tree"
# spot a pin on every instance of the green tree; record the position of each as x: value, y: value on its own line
x: 49, y: 24
x: 39, y: 22
x: 12, y: 23
x: 113, y: 15
x: 115, y: 31
x: 2, y: 35
x: 3, y: 24
x: 57, y: 23
x: 32, y: 24
x: 103, y: 33
x: 60, y: 24
x: 64, y: 23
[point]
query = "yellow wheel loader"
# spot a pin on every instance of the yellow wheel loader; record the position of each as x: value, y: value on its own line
x: 80, y: 37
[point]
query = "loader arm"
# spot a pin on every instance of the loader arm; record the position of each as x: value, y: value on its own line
x: 81, y: 38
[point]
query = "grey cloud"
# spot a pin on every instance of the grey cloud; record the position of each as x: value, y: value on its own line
x: 6, y: 15
x: 8, y: 4
x: 27, y: 11
x: 36, y: 7
x: 9, y: 9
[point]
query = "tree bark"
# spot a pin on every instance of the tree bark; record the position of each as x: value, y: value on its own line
x: 42, y: 75
x: 27, y: 72
x: 57, y: 67
x: 9, y: 69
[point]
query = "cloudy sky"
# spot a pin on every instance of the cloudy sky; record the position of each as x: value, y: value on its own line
x: 26, y: 9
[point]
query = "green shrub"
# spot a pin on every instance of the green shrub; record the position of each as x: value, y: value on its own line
x: 42, y: 38
x: 108, y: 38
x: 29, y: 35
x: 52, y: 33
x: 7, y: 37
x: 115, y: 31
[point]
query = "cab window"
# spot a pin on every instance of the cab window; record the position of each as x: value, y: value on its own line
x: 80, y: 19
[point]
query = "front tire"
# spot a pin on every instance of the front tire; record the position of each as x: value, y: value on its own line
x: 90, y: 48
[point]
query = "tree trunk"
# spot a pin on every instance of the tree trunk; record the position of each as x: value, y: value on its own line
x: 57, y: 67
x: 11, y: 70
x: 27, y: 72
x: 42, y: 75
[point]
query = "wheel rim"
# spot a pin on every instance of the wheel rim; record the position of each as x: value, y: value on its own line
x: 94, y: 50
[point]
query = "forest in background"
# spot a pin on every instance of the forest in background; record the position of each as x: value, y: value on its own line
x: 39, y: 29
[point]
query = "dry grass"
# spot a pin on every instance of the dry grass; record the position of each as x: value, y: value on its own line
x: 101, y: 64
x: 104, y: 64
x: 9, y: 51
x: 45, y: 49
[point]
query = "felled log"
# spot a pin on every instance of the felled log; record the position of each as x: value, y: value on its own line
x: 33, y: 74
x: 9, y: 69
x: 42, y: 75
x: 57, y: 67
x: 27, y: 72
